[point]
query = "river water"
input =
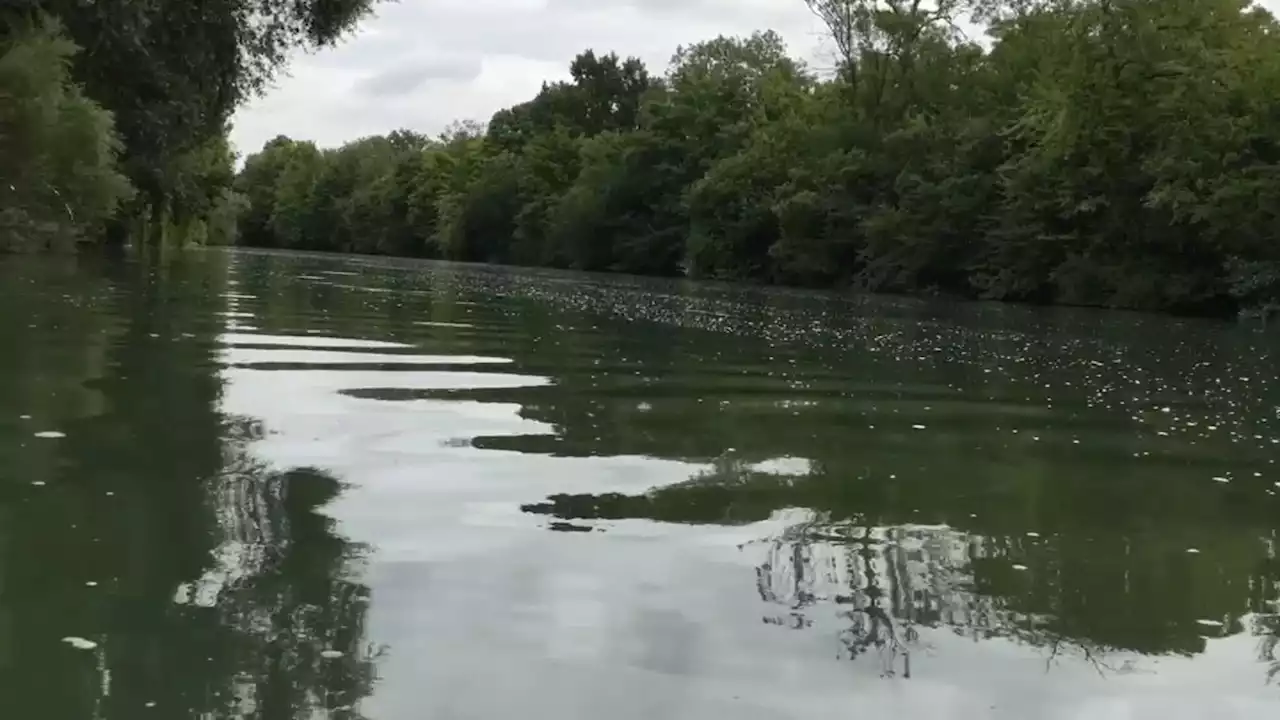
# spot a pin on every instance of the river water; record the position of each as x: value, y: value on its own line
x: 250, y: 485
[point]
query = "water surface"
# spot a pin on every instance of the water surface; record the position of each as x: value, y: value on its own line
x: 250, y: 485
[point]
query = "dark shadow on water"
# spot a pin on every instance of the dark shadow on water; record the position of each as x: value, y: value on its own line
x: 891, y: 559
x: 570, y: 527
x: 209, y: 585
x: 295, y: 610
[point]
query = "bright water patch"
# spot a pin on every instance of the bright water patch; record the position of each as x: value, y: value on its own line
x: 315, y: 341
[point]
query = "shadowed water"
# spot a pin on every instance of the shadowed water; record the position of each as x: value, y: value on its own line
x: 249, y: 485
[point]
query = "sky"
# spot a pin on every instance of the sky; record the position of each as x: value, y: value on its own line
x: 420, y: 64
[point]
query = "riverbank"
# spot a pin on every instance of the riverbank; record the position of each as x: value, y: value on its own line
x: 1062, y: 163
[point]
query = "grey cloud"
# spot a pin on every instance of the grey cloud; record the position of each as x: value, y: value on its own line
x: 422, y: 63
x: 557, y: 31
x: 407, y: 78
x: 402, y: 31
x: 642, y: 5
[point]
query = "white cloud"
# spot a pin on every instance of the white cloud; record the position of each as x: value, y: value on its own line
x: 420, y: 64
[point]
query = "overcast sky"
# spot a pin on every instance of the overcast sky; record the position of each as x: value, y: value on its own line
x: 420, y: 64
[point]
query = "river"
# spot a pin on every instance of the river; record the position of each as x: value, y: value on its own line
x: 273, y: 486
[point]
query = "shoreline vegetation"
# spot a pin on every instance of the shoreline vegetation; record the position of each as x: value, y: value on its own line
x: 1110, y: 153
x: 114, y: 115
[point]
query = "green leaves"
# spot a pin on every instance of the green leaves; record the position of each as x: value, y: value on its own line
x: 1125, y: 141
x: 1103, y: 152
x: 58, y: 177
x: 172, y: 72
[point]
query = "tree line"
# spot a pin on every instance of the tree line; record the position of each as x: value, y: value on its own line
x: 1117, y: 153
x: 114, y: 115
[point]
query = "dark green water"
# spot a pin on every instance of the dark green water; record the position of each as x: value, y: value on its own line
x: 259, y: 486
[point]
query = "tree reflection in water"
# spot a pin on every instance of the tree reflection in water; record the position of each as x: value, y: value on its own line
x: 286, y: 586
x: 891, y: 562
x: 1267, y: 628
x: 884, y: 580
x: 195, y: 581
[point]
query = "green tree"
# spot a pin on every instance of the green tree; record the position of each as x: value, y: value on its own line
x: 257, y: 182
x: 172, y: 72
x: 1118, y: 153
x: 58, y: 177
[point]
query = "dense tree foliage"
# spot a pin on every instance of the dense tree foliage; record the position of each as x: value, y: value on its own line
x: 57, y: 148
x: 168, y: 74
x: 1106, y: 152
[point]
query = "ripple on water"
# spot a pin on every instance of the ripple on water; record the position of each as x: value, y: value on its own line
x: 319, y: 358
x: 873, y: 467
x: 305, y: 341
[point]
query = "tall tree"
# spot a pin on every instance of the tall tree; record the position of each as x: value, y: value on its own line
x: 173, y: 71
x: 58, y: 176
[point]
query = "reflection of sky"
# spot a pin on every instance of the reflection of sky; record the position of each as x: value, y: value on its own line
x: 488, y: 615
x: 783, y: 466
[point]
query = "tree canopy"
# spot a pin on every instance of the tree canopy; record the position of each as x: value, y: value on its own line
x: 161, y: 78
x: 1103, y: 152
x: 1118, y: 153
x: 58, y: 175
